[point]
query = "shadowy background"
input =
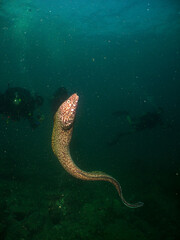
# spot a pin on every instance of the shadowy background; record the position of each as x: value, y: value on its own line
x: 117, y: 55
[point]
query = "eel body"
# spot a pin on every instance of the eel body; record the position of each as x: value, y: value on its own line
x: 61, y: 137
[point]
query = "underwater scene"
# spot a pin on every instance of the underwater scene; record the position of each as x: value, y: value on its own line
x: 89, y: 119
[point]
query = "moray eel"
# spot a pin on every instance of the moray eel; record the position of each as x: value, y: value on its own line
x: 61, y: 137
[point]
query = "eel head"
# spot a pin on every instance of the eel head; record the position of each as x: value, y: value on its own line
x: 67, y: 111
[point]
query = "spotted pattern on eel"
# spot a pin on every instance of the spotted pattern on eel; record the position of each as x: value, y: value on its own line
x: 61, y: 137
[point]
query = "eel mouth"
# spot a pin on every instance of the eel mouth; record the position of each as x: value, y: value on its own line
x: 67, y: 111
